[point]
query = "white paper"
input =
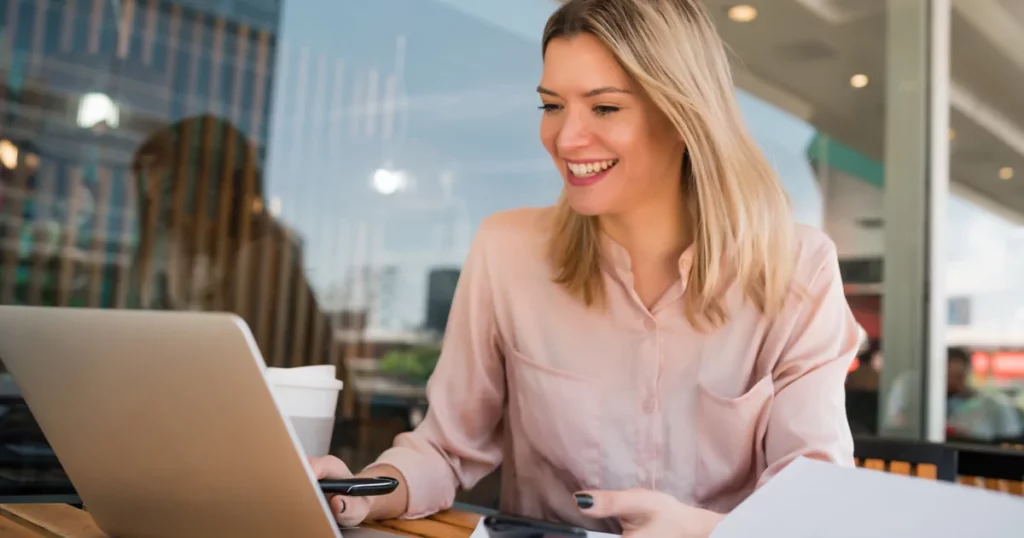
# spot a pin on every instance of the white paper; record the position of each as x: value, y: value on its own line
x: 481, y: 532
x: 816, y: 499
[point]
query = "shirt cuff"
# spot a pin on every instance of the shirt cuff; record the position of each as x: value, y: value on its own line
x: 430, y: 491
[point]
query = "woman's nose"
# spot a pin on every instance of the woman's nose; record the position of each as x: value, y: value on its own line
x: 573, y: 134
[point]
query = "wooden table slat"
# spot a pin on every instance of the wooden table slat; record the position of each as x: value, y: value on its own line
x: 458, y: 518
x: 378, y: 527
x: 64, y: 521
x: 427, y: 528
x: 13, y: 529
x: 60, y: 520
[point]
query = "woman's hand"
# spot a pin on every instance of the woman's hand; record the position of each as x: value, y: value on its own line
x: 349, y: 511
x: 645, y: 513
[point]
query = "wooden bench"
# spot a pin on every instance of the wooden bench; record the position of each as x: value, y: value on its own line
x: 993, y: 468
x: 912, y: 458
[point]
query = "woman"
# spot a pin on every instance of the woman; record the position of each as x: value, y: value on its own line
x: 230, y: 255
x: 662, y: 341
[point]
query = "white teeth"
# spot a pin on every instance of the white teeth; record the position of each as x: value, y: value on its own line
x: 589, y: 169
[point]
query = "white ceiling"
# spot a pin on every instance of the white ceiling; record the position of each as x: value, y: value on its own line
x: 800, y: 55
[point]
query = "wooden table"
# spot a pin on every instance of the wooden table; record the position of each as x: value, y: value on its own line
x: 65, y: 521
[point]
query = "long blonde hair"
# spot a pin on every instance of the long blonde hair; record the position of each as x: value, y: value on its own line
x: 738, y: 211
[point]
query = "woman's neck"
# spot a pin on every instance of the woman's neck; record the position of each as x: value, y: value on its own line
x: 656, y: 232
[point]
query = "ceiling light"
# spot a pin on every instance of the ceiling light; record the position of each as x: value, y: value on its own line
x: 742, y: 13
x: 388, y: 182
x: 8, y: 154
x: 859, y: 80
x: 96, y: 108
x: 1006, y: 173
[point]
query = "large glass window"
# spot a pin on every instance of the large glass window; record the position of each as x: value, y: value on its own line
x: 320, y: 166
x: 984, y: 242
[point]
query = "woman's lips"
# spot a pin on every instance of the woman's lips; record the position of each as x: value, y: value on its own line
x: 584, y: 173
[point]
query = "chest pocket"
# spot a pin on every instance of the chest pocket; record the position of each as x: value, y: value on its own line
x: 730, y: 442
x: 557, y: 419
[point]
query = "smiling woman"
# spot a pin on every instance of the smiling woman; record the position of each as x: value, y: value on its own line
x: 661, y: 341
x: 621, y: 92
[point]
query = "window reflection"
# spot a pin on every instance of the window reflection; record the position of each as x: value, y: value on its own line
x: 320, y: 166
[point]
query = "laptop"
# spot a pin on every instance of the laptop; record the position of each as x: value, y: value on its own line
x: 164, y: 423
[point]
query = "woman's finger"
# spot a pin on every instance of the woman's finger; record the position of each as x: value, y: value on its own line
x: 627, y: 504
x: 350, y: 511
x: 329, y: 467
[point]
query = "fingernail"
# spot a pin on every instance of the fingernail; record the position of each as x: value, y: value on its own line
x: 584, y: 501
x: 343, y: 507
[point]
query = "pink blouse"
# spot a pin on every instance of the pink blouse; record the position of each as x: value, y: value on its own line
x: 567, y: 398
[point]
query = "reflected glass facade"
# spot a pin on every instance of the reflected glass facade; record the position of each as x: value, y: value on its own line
x: 319, y: 167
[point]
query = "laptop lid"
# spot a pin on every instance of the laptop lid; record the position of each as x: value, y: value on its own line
x: 164, y: 422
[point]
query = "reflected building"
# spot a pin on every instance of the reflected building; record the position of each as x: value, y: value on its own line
x: 440, y: 292
x: 86, y: 82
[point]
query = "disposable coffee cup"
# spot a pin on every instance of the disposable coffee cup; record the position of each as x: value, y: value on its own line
x: 308, y: 397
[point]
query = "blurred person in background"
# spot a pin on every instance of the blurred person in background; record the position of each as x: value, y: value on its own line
x: 208, y: 242
x: 862, y: 386
x: 869, y: 368
x: 983, y: 413
x: 975, y: 414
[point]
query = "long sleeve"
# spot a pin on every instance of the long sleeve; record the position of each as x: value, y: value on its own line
x: 459, y: 441
x: 808, y: 415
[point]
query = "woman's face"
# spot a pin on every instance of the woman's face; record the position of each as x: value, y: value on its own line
x: 616, y: 151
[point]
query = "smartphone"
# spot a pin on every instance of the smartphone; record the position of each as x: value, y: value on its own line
x: 504, y: 526
x: 359, y: 487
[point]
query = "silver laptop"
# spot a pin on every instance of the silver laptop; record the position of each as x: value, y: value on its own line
x: 164, y: 423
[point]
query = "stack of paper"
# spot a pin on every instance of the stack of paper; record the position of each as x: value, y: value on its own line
x: 815, y: 499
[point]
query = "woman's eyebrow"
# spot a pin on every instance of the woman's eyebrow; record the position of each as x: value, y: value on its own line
x: 591, y: 93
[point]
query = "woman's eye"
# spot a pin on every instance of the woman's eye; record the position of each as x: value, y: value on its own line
x: 549, y: 108
x: 602, y: 110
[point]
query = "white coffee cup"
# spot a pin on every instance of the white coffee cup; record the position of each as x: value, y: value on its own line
x: 308, y: 397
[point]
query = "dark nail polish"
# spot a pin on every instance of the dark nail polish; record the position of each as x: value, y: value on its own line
x: 584, y: 501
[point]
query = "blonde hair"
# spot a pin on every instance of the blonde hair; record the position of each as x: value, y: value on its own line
x: 738, y: 211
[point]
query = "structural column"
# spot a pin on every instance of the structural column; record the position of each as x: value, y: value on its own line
x: 912, y: 397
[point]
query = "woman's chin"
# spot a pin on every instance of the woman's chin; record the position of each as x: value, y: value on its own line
x: 586, y: 203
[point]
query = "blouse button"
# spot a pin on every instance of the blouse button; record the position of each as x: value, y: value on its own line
x: 650, y: 405
x: 650, y: 324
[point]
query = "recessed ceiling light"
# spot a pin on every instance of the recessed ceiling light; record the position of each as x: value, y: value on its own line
x: 1006, y: 173
x: 742, y: 13
x: 8, y: 154
x: 388, y: 182
x: 859, y: 80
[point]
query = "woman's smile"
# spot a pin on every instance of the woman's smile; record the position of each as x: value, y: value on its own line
x: 584, y: 173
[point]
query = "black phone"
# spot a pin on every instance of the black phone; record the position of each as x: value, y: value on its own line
x: 505, y: 526
x: 359, y: 487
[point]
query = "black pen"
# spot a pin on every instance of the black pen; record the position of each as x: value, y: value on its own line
x: 359, y: 487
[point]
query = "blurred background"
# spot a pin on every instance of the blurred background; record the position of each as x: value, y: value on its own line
x: 320, y: 166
